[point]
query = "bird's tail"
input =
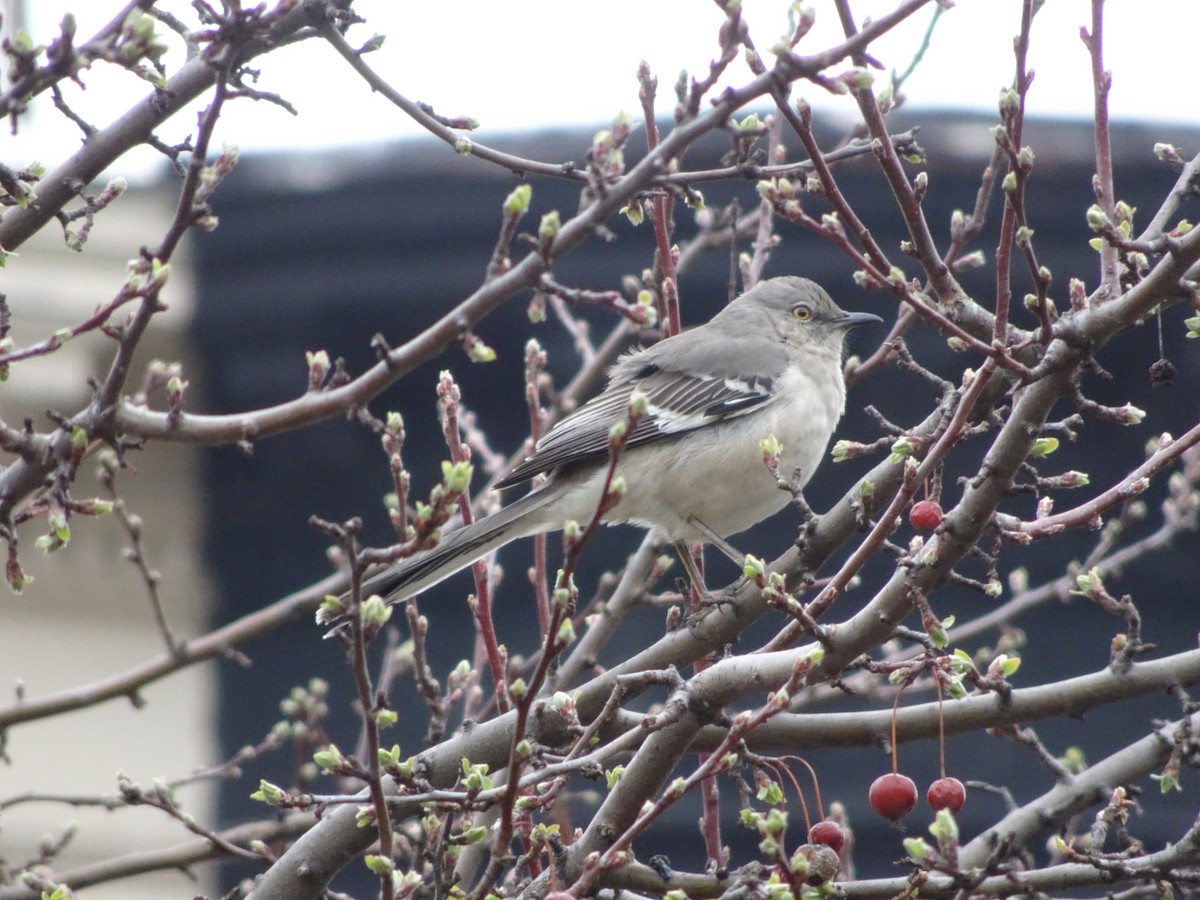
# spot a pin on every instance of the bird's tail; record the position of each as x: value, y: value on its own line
x: 457, y: 550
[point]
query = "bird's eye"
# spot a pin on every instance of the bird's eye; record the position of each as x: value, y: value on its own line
x: 802, y: 311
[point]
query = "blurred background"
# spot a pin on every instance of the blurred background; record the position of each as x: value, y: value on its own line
x: 340, y: 224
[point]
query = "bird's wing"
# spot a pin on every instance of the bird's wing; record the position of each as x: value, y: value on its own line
x: 677, y: 402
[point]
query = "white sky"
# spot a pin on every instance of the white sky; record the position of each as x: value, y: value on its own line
x: 537, y: 63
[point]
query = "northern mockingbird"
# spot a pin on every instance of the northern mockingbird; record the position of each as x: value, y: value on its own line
x: 770, y: 363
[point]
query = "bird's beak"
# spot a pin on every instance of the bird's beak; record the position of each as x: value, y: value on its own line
x: 854, y: 319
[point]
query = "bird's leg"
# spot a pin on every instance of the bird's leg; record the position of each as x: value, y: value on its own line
x: 695, y: 576
x: 708, y: 600
x: 738, y: 557
x: 702, y: 601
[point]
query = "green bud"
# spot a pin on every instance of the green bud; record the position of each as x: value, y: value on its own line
x: 375, y: 611
x: 479, y: 352
x: 566, y: 633
x: 859, y: 79
x: 1089, y: 582
x: 1167, y: 782
x: 386, y: 717
x: 902, y: 449
x: 887, y: 97
x: 1167, y: 153
x: 638, y: 403
x: 1131, y: 415
x: 17, y: 579
x: 549, y: 226
x: 269, y: 794
x: 1044, y: 446
x: 771, y: 793
x: 379, y: 865
x: 329, y: 758
x: 916, y: 848
x: 1004, y: 665
x: 814, y: 658
x: 59, y: 526
x: 331, y: 608
x: 517, y: 202
x: 457, y: 476
x: 1096, y: 218
x: 770, y: 447
x: 944, y: 828
x: 475, y: 777
x: 753, y: 567
x: 676, y: 787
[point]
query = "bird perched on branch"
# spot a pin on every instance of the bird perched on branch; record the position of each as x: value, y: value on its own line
x: 768, y: 364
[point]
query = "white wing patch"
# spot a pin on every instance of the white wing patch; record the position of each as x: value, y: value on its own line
x: 676, y: 403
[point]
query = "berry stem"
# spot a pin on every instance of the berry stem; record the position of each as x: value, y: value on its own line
x: 816, y: 786
x: 941, y: 726
x: 895, y: 707
x: 799, y: 792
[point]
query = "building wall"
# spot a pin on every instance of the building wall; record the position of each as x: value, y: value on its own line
x: 87, y: 616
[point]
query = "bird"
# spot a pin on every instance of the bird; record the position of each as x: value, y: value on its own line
x: 768, y: 364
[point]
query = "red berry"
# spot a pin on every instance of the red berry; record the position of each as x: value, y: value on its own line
x: 893, y: 795
x: 947, y: 793
x: 925, y: 515
x: 829, y: 833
